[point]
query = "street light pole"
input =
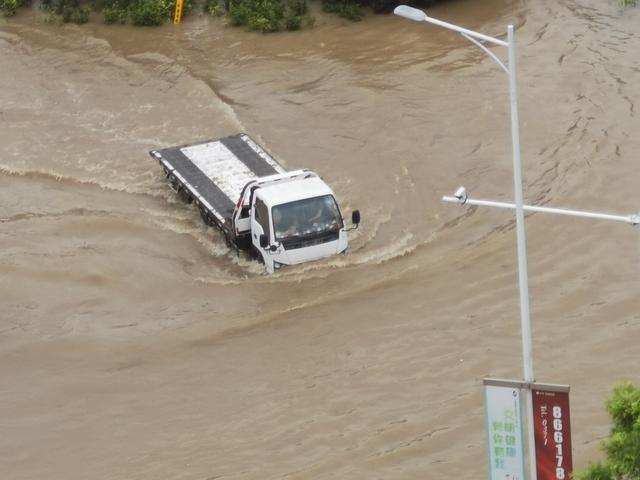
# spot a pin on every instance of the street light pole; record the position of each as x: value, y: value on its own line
x: 523, y: 278
x: 461, y: 197
x: 523, y: 275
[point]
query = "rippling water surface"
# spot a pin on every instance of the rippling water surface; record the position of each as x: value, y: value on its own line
x: 135, y: 345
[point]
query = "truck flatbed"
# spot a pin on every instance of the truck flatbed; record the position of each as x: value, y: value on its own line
x: 214, y: 172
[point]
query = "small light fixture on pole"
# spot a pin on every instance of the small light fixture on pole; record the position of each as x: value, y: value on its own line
x: 523, y: 277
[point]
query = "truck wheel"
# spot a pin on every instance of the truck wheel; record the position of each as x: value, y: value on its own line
x: 173, y: 184
x: 229, y: 243
x: 206, y: 219
x: 185, y: 196
x: 256, y: 255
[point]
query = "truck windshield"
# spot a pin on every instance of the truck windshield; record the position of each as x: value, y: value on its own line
x: 306, y: 217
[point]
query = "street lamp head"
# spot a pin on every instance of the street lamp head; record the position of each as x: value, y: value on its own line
x: 411, y: 13
x: 461, y: 195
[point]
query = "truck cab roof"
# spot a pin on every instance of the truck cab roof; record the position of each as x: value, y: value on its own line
x: 280, y: 193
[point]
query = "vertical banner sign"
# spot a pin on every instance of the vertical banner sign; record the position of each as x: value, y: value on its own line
x: 552, y: 431
x: 504, y: 429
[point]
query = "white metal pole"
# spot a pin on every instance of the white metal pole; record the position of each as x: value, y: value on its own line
x: 633, y: 219
x: 525, y: 321
x: 520, y: 230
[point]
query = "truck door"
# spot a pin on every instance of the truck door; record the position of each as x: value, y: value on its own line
x: 260, y: 224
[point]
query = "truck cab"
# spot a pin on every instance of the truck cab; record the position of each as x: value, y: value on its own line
x: 296, y: 222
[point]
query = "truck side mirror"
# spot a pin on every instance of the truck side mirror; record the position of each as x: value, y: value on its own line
x: 264, y: 241
x: 355, y: 217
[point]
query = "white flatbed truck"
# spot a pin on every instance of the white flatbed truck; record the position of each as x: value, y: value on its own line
x: 284, y: 218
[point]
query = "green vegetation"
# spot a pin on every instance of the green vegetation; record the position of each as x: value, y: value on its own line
x: 344, y: 8
x: 622, y: 448
x: 116, y: 12
x: 136, y: 12
x: 150, y: 12
x: 260, y: 15
x: 8, y: 7
x: 214, y: 8
x: 264, y: 15
x: 68, y: 11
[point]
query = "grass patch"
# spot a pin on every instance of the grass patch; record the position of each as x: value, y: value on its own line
x: 8, y: 7
x: 344, y: 9
x: 264, y: 16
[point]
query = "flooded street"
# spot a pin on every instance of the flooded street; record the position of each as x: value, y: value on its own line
x: 134, y: 344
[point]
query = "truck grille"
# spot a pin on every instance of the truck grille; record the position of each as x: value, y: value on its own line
x: 308, y: 241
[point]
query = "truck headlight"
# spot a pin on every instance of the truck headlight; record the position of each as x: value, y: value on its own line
x: 278, y: 265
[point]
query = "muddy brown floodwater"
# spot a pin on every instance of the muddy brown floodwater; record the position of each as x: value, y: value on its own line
x: 133, y: 344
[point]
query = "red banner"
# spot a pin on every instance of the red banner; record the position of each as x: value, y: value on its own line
x: 552, y: 432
